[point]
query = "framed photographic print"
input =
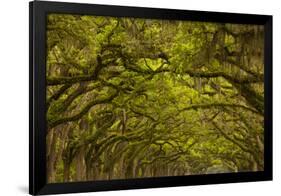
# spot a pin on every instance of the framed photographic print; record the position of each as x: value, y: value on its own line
x: 129, y: 97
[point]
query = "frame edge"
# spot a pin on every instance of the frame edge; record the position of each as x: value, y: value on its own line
x: 31, y: 138
x: 38, y: 185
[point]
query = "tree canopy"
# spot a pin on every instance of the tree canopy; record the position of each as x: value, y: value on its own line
x: 131, y: 98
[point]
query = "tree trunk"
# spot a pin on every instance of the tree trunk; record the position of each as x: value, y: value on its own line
x: 52, y: 157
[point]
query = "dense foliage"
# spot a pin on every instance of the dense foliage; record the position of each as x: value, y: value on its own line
x: 130, y: 98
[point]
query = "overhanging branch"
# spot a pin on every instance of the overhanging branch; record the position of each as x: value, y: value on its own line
x: 55, y: 122
x: 218, y: 105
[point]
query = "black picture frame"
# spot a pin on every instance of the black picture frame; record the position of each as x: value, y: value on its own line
x: 37, y: 93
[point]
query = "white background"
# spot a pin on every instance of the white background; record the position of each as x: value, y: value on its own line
x: 14, y: 96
